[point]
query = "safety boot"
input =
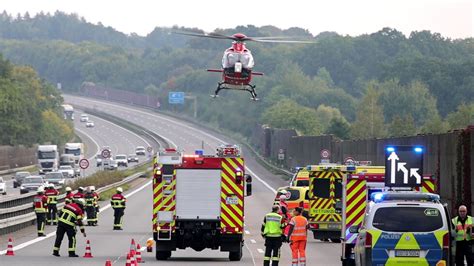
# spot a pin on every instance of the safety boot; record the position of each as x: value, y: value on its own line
x: 73, y: 255
x: 56, y: 253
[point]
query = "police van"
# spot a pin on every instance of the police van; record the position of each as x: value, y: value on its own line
x: 404, y: 228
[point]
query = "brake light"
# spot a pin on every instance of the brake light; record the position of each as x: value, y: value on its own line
x: 314, y: 226
x: 446, y: 241
x: 368, y: 240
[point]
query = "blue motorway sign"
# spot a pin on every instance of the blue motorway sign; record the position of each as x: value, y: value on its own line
x: 176, y: 97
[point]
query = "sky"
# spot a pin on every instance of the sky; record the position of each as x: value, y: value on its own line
x: 451, y: 18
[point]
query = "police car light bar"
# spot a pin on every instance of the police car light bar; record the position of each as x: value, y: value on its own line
x: 408, y: 196
x: 390, y: 149
x: 418, y: 149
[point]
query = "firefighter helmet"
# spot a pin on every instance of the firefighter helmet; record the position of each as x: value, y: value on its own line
x: 92, y: 188
x: 80, y: 189
x: 40, y: 190
x: 68, y: 189
x: 80, y: 201
x: 119, y: 190
x: 283, y: 197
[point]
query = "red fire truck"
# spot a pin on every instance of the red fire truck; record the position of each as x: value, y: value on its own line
x: 198, y: 201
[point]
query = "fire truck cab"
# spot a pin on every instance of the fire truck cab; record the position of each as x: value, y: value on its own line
x: 198, y: 201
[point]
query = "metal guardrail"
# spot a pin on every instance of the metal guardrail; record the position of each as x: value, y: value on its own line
x: 17, y: 212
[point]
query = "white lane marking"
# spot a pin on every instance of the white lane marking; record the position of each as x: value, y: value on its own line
x: 251, y: 254
x: 260, y: 250
x: 93, y: 140
x: 247, y: 232
x: 253, y: 241
x: 127, y: 130
x: 36, y: 240
x: 189, y: 127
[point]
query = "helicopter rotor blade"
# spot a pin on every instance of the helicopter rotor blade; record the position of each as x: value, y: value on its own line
x: 205, y: 35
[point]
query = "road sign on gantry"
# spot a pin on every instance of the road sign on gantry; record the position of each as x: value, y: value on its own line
x: 403, y: 166
x: 176, y: 97
x: 84, y: 164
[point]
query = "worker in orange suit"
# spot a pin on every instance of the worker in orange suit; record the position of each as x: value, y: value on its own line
x: 297, y: 236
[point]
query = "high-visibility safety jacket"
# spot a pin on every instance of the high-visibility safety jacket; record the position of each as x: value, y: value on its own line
x: 300, y: 225
x: 90, y: 200
x: 118, y: 201
x: 78, y: 195
x: 273, y: 225
x: 69, y: 197
x: 52, y: 195
x: 72, y: 215
x: 40, y: 203
x: 463, y: 232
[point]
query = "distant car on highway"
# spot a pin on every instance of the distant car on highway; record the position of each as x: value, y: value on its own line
x: 32, y: 183
x: 121, y: 160
x: 90, y: 123
x: 140, y: 150
x: 56, y: 178
x: 67, y: 171
x: 19, y: 176
x: 84, y: 118
x: 110, y: 164
x: 132, y: 158
x: 3, y: 186
x: 98, y: 160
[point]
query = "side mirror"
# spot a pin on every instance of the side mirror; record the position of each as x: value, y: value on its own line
x: 248, y: 185
x: 338, y: 206
x: 354, y: 229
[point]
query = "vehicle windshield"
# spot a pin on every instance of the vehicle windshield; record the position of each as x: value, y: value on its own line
x: 46, y: 154
x: 33, y: 180
x: 294, y: 194
x: 75, y: 152
x: 53, y: 176
x: 407, y: 219
x: 120, y: 157
x: 22, y: 174
x: 230, y: 58
x: 65, y: 167
x: 140, y: 148
x: 302, y: 183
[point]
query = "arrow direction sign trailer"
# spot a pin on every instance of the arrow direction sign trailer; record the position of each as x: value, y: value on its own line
x: 403, y: 166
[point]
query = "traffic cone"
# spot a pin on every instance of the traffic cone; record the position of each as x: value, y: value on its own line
x: 128, y: 260
x: 133, y: 261
x: 10, y: 248
x: 133, y: 246
x: 139, y: 254
x: 88, y: 250
x: 108, y: 263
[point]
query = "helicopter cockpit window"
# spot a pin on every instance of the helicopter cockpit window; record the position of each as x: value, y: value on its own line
x: 230, y: 58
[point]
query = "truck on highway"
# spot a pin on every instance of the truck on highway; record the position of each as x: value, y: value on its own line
x: 198, y: 201
x: 77, y: 151
x: 48, y: 158
x: 68, y: 111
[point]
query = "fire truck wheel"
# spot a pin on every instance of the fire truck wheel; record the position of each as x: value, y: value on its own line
x: 335, y: 240
x: 236, y: 255
x: 163, y: 255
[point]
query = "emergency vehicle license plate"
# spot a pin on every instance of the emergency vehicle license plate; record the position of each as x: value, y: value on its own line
x: 407, y: 253
x: 232, y: 200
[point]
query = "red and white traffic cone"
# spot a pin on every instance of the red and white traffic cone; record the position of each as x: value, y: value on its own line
x: 108, y: 263
x: 88, y: 250
x: 139, y: 254
x: 128, y: 260
x: 10, y: 248
x: 133, y: 261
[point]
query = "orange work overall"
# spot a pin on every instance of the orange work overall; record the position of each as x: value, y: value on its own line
x: 298, y: 240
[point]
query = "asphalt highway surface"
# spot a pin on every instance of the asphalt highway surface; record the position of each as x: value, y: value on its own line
x: 108, y: 244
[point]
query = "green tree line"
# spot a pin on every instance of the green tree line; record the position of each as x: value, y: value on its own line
x: 372, y: 85
x: 30, y: 109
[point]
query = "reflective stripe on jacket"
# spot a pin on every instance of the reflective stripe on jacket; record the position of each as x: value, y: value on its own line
x: 272, y: 225
x: 52, y: 195
x: 118, y: 201
x: 71, y: 215
x: 300, y: 225
x: 463, y: 233
x: 40, y: 203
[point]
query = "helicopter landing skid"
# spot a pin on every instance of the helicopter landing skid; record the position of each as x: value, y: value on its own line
x: 250, y: 88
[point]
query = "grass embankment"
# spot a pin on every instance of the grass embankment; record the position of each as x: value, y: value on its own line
x: 106, y: 195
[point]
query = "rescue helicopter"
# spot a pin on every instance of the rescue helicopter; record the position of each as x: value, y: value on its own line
x: 238, y: 62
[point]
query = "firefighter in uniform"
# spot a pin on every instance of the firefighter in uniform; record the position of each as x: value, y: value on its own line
x: 79, y: 194
x: 40, y: 203
x: 272, y: 231
x: 70, y: 216
x: 463, y: 224
x: 89, y: 197
x: 96, y: 203
x: 69, y: 195
x: 118, y: 204
x: 52, y: 194
x: 297, y: 236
